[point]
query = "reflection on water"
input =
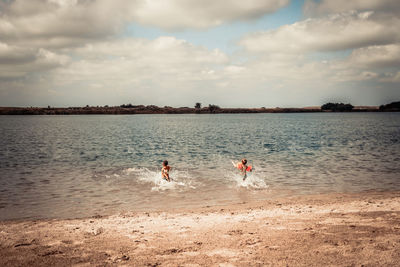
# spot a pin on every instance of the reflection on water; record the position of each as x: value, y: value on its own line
x: 74, y: 166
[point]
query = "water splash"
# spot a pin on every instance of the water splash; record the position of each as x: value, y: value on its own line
x: 253, y: 180
x: 180, y: 180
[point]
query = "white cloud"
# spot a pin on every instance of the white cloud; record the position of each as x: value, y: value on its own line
x: 368, y: 32
x: 332, y: 33
x: 69, y: 48
x: 323, y: 7
x: 162, y: 49
x: 376, y: 56
x: 164, y: 71
x: 145, y: 69
x: 164, y: 54
x: 180, y: 14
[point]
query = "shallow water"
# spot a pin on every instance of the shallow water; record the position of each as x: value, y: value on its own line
x: 76, y: 166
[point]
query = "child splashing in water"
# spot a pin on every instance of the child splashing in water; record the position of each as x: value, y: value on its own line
x: 165, y: 171
x: 243, y: 168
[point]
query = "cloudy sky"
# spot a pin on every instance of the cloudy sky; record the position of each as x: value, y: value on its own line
x: 232, y: 53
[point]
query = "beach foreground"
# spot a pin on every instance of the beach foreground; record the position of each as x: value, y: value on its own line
x: 331, y: 229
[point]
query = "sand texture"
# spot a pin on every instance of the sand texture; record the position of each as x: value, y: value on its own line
x: 321, y: 230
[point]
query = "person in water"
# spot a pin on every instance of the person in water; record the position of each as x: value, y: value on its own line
x: 243, y: 168
x: 165, y: 171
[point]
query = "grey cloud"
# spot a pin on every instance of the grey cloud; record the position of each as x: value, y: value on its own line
x: 15, y: 55
x: 46, y: 24
x: 64, y: 23
x: 391, y: 78
x: 15, y: 65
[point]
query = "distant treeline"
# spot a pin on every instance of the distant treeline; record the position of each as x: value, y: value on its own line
x: 151, y: 109
x: 394, y: 106
x: 197, y: 109
x: 337, y: 107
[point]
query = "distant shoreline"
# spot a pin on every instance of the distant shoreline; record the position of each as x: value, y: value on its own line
x: 167, y: 110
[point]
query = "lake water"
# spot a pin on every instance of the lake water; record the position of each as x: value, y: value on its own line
x: 78, y: 166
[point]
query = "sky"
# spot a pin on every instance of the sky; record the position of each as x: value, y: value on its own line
x: 231, y: 53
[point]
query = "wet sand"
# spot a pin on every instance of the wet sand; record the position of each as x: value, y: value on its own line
x: 320, y: 230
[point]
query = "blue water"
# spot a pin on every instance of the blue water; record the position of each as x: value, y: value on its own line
x: 77, y: 166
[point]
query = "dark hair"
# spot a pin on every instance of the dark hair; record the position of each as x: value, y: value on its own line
x: 165, y: 162
x: 244, y: 161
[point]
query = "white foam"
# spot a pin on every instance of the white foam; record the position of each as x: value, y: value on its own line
x: 179, y: 179
x: 253, y: 180
x: 130, y: 170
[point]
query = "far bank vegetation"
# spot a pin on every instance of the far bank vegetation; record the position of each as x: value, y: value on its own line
x: 196, y: 109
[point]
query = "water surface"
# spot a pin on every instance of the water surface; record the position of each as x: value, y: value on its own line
x: 77, y: 166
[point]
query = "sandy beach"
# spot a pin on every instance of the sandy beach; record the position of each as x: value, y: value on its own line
x: 331, y: 229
